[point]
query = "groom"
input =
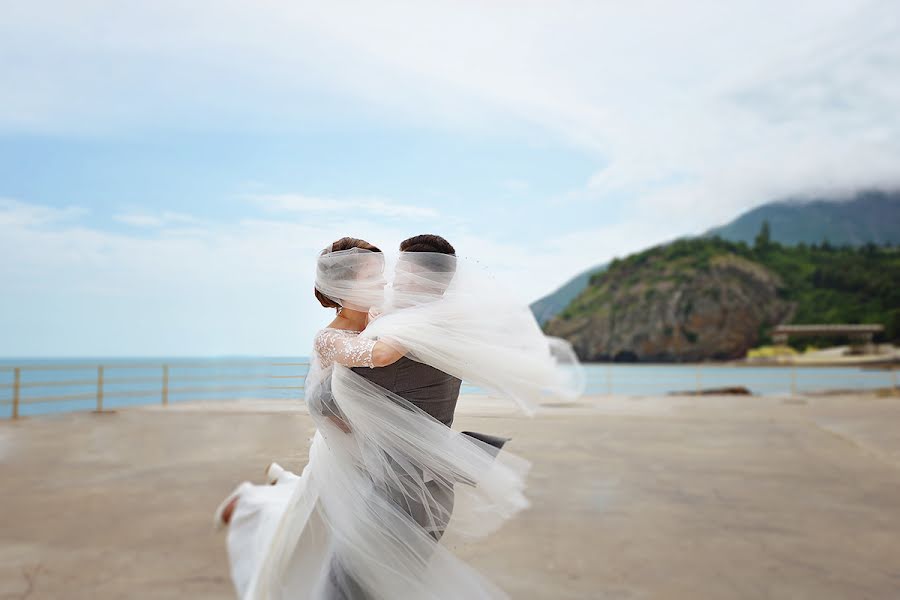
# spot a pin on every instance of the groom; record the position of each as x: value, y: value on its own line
x: 429, y: 389
x: 434, y: 392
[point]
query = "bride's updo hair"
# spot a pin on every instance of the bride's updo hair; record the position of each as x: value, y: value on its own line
x: 345, y: 243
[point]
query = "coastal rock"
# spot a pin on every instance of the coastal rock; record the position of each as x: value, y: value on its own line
x: 734, y: 390
x: 671, y: 305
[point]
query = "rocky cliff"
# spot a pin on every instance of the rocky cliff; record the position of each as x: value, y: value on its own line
x: 682, y: 302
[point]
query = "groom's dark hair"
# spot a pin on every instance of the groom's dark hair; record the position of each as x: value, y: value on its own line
x: 427, y: 242
x: 433, y: 244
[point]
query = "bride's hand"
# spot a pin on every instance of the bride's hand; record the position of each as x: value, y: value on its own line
x: 384, y: 354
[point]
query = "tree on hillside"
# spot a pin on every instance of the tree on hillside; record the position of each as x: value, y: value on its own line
x: 763, y: 238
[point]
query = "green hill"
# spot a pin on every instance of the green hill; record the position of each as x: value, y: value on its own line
x: 709, y: 298
x: 867, y: 217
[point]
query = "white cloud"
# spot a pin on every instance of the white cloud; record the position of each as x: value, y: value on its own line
x: 139, y: 220
x: 17, y: 213
x: 516, y: 185
x: 147, y: 220
x: 672, y: 97
x: 374, y: 206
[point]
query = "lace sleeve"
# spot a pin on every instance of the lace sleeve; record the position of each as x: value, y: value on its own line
x: 344, y: 348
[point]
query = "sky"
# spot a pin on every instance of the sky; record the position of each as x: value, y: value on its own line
x: 169, y: 170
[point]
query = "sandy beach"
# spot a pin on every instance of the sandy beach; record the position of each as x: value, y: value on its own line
x: 651, y: 497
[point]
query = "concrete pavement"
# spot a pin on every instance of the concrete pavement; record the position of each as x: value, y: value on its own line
x: 707, y: 497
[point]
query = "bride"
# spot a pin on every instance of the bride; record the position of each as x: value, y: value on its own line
x: 364, y: 518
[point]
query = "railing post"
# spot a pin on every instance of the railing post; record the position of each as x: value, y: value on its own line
x: 165, y: 385
x: 608, y: 380
x: 699, y: 380
x: 793, y: 380
x: 894, y: 379
x: 17, y: 384
x: 100, y: 388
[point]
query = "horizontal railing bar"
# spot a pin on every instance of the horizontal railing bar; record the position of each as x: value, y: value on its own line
x: 176, y: 365
x: 226, y: 364
x: 738, y: 377
x: 38, y: 384
x: 194, y: 378
x: 780, y: 377
x: 858, y: 375
x: 113, y: 394
x: 120, y: 380
x: 687, y: 380
x: 62, y: 398
x: 107, y: 394
x: 177, y: 378
x: 228, y: 388
x: 84, y: 367
x: 740, y: 365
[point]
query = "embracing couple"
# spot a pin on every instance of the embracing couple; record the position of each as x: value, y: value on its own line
x: 365, y: 517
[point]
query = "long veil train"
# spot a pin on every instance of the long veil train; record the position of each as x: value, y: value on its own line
x: 364, y: 518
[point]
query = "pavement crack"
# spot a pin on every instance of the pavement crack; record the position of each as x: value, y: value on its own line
x: 30, y: 574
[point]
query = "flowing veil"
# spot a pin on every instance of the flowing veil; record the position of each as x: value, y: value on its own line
x: 365, y: 517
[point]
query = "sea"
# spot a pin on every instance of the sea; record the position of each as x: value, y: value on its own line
x: 54, y: 385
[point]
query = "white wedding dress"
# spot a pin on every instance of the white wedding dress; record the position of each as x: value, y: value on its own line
x: 364, y: 517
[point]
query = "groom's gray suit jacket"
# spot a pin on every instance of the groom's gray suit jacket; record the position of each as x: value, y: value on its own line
x: 430, y: 389
x: 436, y: 393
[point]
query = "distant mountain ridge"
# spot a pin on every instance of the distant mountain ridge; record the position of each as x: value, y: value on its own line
x: 552, y: 304
x: 866, y: 217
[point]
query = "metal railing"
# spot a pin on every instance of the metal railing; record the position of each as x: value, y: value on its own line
x: 104, y: 388
x: 187, y: 379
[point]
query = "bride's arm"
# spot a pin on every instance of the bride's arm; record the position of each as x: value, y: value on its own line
x: 349, y: 350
